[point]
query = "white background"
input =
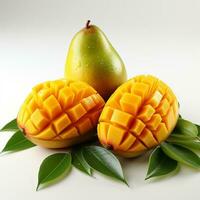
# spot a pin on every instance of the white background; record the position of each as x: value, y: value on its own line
x: 159, y: 37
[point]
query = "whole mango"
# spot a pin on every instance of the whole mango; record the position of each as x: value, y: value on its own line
x: 92, y: 58
x: 138, y: 116
x: 61, y: 113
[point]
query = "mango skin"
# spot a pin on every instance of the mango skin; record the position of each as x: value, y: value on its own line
x: 60, y: 113
x: 138, y: 116
x: 92, y: 58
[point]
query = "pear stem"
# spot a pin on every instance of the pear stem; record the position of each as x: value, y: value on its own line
x: 88, y: 24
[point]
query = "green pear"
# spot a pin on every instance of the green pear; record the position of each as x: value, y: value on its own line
x: 92, y: 58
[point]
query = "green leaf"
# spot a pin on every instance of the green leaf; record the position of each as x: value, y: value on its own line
x: 191, y: 144
x: 17, y: 142
x: 79, y: 161
x: 10, y: 126
x: 160, y: 164
x: 186, y: 128
x: 198, y: 127
x: 53, y: 168
x: 181, y: 154
x: 177, y: 136
x: 104, y: 161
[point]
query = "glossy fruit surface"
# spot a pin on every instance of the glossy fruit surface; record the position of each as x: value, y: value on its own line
x: 60, y: 113
x: 92, y: 58
x: 138, y: 116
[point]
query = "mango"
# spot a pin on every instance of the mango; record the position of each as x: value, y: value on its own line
x: 60, y: 113
x: 92, y: 58
x: 138, y: 116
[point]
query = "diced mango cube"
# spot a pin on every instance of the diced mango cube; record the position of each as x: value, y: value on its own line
x: 147, y: 138
x: 52, y: 106
x: 38, y: 87
x: 61, y: 123
x: 84, y: 126
x: 98, y: 100
x: 76, y: 112
x: 86, y: 92
x: 127, y: 104
x: 161, y: 133
x: 137, y: 127
x: 169, y: 119
x: 44, y: 94
x: 78, y: 86
x: 107, y: 114
x: 175, y: 108
x: 137, y: 147
x: 70, y: 133
x: 154, y: 122
x: 155, y: 99
x: 140, y: 89
x: 31, y: 106
x: 114, y: 102
x: 162, y: 87
x: 163, y: 108
x: 88, y: 103
x: 47, y: 134
x: 115, y: 135
x: 169, y: 95
x: 128, y: 142
x: 39, y: 120
x: 146, y: 113
x: 66, y: 97
x: 30, y: 128
x: 121, y: 118
x: 26, y: 116
x: 56, y: 86
x: 103, y: 130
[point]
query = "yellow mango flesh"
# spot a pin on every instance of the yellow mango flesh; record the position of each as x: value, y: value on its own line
x: 138, y: 116
x: 61, y: 113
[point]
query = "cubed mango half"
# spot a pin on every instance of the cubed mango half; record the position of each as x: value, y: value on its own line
x: 139, y: 115
x: 60, y: 113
